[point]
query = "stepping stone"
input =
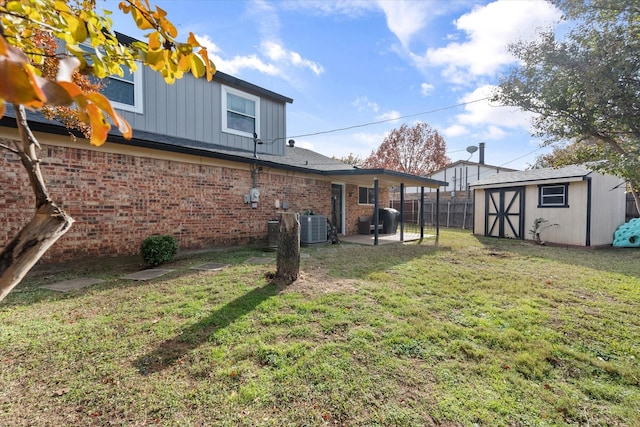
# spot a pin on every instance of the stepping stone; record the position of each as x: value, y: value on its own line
x: 148, y: 274
x: 210, y: 266
x: 305, y: 255
x: 70, y: 285
x: 260, y: 260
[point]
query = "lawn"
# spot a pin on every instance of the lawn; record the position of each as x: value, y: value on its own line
x: 469, y: 331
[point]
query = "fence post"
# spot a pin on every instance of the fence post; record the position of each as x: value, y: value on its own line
x: 464, y: 216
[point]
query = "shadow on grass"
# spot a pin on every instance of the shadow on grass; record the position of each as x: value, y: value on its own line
x: 191, y: 337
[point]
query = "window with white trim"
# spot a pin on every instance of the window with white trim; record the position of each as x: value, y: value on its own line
x: 240, y: 112
x: 553, y: 196
x: 366, y: 195
x: 125, y: 93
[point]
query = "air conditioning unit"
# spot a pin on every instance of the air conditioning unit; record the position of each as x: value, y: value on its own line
x: 313, y: 229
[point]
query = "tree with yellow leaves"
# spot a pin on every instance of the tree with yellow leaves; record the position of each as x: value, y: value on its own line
x: 26, y: 81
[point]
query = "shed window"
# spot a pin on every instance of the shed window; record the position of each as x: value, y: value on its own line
x: 366, y: 196
x: 240, y: 112
x: 553, y: 196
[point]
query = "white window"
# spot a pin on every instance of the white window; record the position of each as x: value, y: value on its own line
x: 125, y: 93
x: 240, y: 112
x: 553, y: 196
x: 366, y: 196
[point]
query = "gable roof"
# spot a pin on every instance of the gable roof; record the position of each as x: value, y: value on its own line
x: 567, y: 173
x: 468, y: 163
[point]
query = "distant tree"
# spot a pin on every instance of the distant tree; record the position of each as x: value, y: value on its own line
x: 585, y: 88
x: 351, y: 159
x: 570, y: 154
x: 34, y: 75
x: 416, y: 150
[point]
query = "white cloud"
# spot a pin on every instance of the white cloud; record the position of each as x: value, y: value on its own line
x: 278, y: 60
x: 455, y: 131
x: 405, y: 18
x: 362, y: 103
x: 283, y: 57
x: 389, y: 115
x: 487, y: 32
x: 272, y: 58
x: 494, y: 132
x: 426, y: 89
x: 486, y: 121
x: 485, y: 113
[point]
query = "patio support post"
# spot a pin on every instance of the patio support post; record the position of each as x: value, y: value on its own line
x: 402, y: 211
x: 421, y: 213
x: 376, y: 214
x: 437, y: 213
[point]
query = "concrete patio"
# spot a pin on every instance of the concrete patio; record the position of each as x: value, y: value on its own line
x: 383, y: 239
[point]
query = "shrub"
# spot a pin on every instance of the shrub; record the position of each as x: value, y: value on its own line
x: 156, y: 250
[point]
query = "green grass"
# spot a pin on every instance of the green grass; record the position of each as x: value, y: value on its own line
x: 467, y: 331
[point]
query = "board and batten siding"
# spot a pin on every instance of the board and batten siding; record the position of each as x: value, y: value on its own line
x: 606, y: 202
x: 191, y: 109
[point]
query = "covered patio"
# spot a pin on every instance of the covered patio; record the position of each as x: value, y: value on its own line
x: 377, y: 178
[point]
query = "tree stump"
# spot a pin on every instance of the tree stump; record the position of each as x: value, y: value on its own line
x: 288, y: 257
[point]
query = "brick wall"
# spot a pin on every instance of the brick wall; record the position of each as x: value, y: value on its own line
x: 355, y: 209
x: 118, y: 199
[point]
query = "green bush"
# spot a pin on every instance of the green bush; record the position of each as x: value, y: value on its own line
x: 156, y: 250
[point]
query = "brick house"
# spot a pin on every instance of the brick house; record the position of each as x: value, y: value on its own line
x: 198, y: 150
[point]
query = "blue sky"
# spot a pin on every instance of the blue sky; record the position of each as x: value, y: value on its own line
x: 350, y: 63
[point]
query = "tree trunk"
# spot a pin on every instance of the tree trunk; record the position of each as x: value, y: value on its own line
x: 16, y: 259
x: 48, y: 224
x: 288, y: 258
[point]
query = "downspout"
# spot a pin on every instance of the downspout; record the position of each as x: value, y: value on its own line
x: 588, y: 236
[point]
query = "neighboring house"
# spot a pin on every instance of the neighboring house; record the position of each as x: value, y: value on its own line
x: 462, y: 173
x: 209, y: 163
x: 582, y: 207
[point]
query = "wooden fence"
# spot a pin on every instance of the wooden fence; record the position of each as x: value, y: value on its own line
x: 459, y: 212
x: 453, y: 213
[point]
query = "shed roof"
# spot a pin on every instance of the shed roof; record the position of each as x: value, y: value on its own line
x: 574, y: 172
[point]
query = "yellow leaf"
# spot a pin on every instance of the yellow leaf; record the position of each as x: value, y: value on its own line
x: 103, y: 103
x: 124, y: 7
x: 18, y: 84
x: 192, y: 40
x: 123, y: 126
x: 209, y: 65
x: 2, y: 108
x: 197, y: 66
x: 61, y: 6
x: 72, y: 89
x: 56, y: 94
x: 184, y: 64
x: 141, y: 20
x: 154, y: 41
x: 76, y: 27
x: 99, y: 125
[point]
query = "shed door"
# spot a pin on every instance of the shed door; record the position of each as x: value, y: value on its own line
x: 504, y: 209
